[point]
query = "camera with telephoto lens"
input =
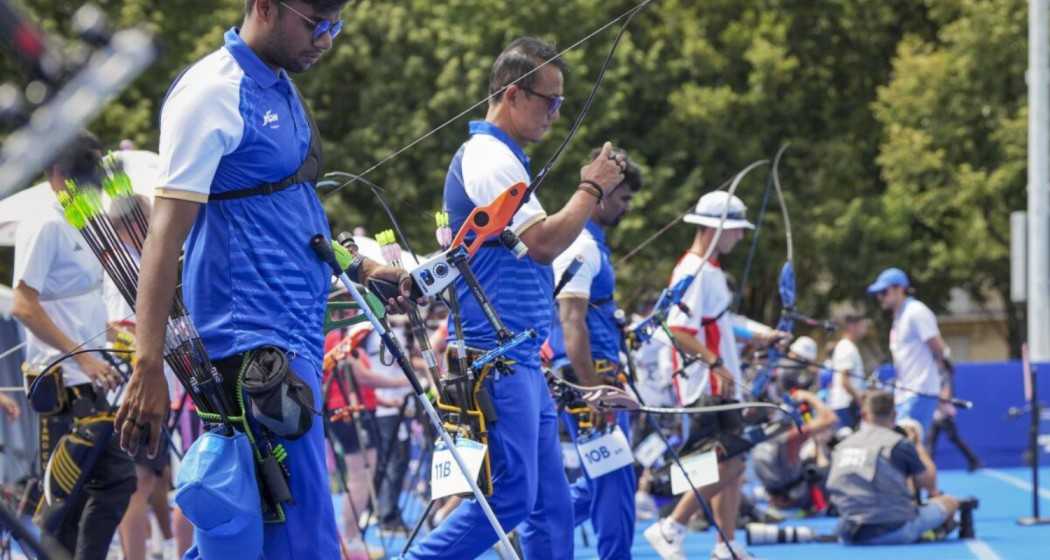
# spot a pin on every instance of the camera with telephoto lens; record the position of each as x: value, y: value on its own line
x: 761, y: 533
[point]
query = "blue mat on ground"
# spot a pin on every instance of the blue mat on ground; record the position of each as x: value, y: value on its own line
x: 1004, y: 496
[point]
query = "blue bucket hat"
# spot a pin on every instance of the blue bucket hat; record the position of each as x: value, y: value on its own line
x: 216, y: 490
x: 887, y: 278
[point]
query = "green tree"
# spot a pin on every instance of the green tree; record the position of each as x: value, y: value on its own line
x: 953, y: 152
x: 906, y: 121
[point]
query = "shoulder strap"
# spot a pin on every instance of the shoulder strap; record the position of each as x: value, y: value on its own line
x: 308, y: 172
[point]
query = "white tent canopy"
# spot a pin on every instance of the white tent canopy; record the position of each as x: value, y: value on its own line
x: 140, y: 165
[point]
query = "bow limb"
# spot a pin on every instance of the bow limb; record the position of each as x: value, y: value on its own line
x: 378, y: 192
x: 545, y: 170
x: 610, y: 397
x: 719, y: 408
x: 783, y: 205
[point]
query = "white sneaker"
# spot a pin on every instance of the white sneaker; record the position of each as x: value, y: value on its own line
x: 721, y: 552
x: 645, y: 506
x: 667, y: 539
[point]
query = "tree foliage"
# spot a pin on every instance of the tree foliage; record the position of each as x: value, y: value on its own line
x: 906, y: 121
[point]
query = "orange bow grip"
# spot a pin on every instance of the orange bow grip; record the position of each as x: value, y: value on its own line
x: 489, y: 221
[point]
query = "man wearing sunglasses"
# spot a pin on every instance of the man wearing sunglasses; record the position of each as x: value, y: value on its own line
x: 239, y: 156
x: 916, y: 345
x: 527, y: 471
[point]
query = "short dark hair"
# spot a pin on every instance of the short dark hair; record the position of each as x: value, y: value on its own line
x: 879, y: 403
x: 518, y: 62
x: 319, y: 5
x: 80, y: 159
x: 632, y: 175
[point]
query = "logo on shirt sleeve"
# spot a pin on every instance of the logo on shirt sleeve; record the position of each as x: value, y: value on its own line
x: 270, y: 119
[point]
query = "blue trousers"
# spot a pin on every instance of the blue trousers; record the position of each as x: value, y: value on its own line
x: 529, y: 484
x: 309, y: 530
x: 608, y: 501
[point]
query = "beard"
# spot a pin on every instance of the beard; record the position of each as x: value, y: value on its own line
x: 278, y: 54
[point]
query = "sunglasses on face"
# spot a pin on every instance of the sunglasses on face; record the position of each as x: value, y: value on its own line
x: 320, y: 27
x: 553, y: 101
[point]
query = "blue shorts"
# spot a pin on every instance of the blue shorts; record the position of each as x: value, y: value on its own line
x: 931, y: 516
x: 918, y: 408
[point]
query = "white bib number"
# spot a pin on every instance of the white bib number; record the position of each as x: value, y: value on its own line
x: 603, y: 453
x: 702, y: 469
x: 446, y: 479
x: 650, y: 450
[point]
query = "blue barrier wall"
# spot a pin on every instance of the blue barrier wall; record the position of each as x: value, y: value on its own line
x: 999, y: 441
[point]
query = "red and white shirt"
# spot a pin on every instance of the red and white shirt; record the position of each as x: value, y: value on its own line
x: 707, y: 299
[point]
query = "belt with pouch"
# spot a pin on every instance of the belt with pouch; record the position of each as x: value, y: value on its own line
x: 261, y: 385
x: 48, y: 395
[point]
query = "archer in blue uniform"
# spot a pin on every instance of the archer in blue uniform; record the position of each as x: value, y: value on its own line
x: 236, y: 142
x: 586, y: 350
x: 525, y: 104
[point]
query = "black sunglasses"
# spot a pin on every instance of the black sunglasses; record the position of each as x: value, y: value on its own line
x: 553, y: 101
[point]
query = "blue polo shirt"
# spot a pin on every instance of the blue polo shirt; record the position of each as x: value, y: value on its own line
x: 595, y: 281
x: 249, y: 276
x: 520, y: 289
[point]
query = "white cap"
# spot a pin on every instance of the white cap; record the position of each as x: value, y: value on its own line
x: 709, y: 208
x: 805, y: 347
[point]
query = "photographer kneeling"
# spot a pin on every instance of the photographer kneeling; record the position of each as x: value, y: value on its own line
x: 869, y: 481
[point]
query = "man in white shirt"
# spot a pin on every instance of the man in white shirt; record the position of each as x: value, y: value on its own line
x: 58, y: 299
x: 916, y: 345
x: 707, y: 332
x: 848, y: 365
